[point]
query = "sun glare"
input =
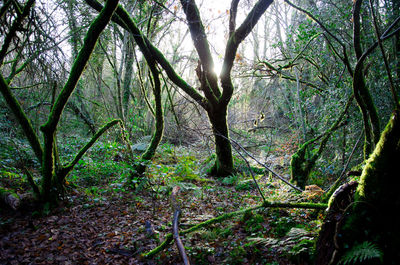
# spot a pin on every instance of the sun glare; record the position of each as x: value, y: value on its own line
x: 217, y: 67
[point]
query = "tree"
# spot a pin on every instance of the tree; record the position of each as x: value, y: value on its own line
x: 53, y: 173
x: 338, y: 41
x: 366, y: 221
x: 215, y: 98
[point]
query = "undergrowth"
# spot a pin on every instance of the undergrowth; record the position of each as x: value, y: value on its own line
x: 101, y: 177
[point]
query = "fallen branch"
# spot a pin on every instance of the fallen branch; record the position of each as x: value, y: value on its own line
x: 218, y: 219
x: 177, y: 211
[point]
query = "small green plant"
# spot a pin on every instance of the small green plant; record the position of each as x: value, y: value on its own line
x: 226, y: 232
x: 253, y: 222
x: 362, y: 252
x: 245, y: 185
x: 210, y: 235
x: 237, y: 256
x: 199, y: 255
x: 301, y: 252
x: 230, y: 180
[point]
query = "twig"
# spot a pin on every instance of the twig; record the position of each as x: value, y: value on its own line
x: 251, y: 172
x: 177, y: 210
x: 261, y: 127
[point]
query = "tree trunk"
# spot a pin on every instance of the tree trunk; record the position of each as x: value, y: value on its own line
x: 360, y: 89
x: 224, y: 161
x: 372, y: 218
x: 129, y: 60
x: 396, y: 12
x: 303, y: 161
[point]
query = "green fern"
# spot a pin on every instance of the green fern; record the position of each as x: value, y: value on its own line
x: 362, y: 252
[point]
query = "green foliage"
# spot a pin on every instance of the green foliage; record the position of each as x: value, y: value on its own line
x: 297, y: 244
x: 365, y: 251
x: 175, y: 166
x: 230, y: 180
x: 282, y: 225
x: 105, y: 162
x: 11, y: 180
x: 216, y: 232
x: 236, y: 256
x: 185, y: 169
x: 244, y: 185
x: 253, y: 223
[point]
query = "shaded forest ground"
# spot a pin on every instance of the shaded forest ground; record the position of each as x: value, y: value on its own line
x: 101, y: 221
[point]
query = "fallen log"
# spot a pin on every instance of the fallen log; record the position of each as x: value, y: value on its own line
x: 9, y: 198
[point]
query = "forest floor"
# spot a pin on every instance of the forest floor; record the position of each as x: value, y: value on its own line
x: 107, y: 223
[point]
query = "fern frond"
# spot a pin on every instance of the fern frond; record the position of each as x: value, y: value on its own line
x: 362, y: 252
x: 267, y: 242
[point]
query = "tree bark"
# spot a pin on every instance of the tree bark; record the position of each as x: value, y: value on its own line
x: 360, y: 90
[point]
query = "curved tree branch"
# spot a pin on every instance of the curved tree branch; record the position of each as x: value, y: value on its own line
x: 233, y: 43
x: 123, y: 19
x: 79, y: 65
x: 66, y: 169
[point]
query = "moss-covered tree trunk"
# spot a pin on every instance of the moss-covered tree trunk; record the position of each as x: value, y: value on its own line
x: 159, y: 117
x: 224, y: 161
x: 373, y: 216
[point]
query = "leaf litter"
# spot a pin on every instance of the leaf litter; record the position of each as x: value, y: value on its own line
x: 119, y: 225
